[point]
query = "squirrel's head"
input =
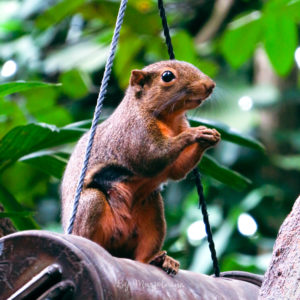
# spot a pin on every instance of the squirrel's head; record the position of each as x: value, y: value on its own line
x: 170, y: 86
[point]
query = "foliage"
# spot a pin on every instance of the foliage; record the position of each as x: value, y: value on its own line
x: 259, y: 27
x: 60, y: 51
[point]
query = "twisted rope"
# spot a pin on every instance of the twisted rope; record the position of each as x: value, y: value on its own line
x: 100, y: 99
x: 196, y: 172
x: 202, y: 204
x: 166, y: 28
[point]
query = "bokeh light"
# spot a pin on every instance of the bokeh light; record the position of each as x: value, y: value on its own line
x: 9, y: 68
x: 297, y: 57
x: 245, y: 103
x: 247, y: 225
x: 196, y: 232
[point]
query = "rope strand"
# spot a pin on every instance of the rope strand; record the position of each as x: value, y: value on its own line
x: 100, y: 99
x: 202, y: 205
x: 166, y: 29
x: 196, y: 172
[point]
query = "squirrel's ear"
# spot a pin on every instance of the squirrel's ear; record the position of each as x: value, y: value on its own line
x: 138, y: 77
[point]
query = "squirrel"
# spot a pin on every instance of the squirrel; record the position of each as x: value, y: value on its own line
x: 146, y: 141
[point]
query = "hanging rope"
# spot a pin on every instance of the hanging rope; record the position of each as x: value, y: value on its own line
x: 104, y: 83
x: 196, y: 172
x: 166, y: 29
x: 202, y: 204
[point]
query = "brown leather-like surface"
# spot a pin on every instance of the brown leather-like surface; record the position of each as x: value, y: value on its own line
x: 98, y: 275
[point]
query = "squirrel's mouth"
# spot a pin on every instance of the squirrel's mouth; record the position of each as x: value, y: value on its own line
x: 194, y: 100
x: 198, y: 99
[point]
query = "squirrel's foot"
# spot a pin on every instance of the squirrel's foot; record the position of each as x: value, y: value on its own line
x: 167, y: 263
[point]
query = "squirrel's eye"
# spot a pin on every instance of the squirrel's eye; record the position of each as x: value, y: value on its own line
x: 167, y: 76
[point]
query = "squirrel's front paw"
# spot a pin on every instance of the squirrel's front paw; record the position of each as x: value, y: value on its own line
x: 208, y: 136
x: 167, y: 263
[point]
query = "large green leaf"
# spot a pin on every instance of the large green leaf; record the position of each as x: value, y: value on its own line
x: 184, y: 47
x: 75, y: 78
x: 16, y: 214
x: 228, y: 133
x: 58, y: 12
x: 240, y: 39
x: 129, y: 47
x: 281, y: 46
x: 293, y: 9
x: 289, y: 8
x: 211, y: 167
x: 23, y: 140
x: 10, y: 204
x: 20, y: 86
x: 50, y: 162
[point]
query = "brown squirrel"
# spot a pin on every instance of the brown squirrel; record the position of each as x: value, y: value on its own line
x: 146, y: 141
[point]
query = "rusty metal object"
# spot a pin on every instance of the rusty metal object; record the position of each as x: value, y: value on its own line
x: 43, y: 280
x: 43, y: 265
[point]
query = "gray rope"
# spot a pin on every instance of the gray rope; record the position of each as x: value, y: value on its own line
x: 100, y: 99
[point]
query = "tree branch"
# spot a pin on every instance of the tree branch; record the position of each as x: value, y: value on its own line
x: 219, y: 13
x: 283, y: 275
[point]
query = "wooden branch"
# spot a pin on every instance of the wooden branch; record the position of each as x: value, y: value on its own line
x: 219, y: 13
x: 282, y: 279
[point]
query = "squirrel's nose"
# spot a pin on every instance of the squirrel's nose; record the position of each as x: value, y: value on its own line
x: 209, y: 85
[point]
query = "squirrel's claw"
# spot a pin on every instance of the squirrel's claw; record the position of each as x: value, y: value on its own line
x: 167, y: 263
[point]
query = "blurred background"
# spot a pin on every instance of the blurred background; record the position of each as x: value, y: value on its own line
x: 52, y: 56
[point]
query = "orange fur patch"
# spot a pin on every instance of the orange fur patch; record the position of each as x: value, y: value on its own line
x: 165, y: 130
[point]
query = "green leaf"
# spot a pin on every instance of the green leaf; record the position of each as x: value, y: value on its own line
x: 280, y: 47
x: 130, y: 46
x: 228, y: 133
x: 240, y: 39
x: 287, y: 162
x: 292, y: 10
x: 16, y: 214
x: 20, y: 86
x: 75, y: 78
x: 75, y: 57
x: 57, y: 13
x: 184, y: 47
x: 211, y: 167
x: 11, y: 115
x: 23, y: 140
x: 50, y: 162
x: 289, y: 8
x: 10, y: 26
x: 10, y: 204
x: 56, y: 115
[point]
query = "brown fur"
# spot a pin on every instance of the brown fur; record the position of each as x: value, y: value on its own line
x: 149, y: 136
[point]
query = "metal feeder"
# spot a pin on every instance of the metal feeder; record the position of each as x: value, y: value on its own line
x: 43, y: 265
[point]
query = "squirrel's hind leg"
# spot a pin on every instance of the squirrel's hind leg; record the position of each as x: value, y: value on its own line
x: 151, y: 234
x: 151, y: 226
x: 89, y: 214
